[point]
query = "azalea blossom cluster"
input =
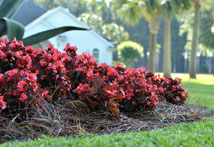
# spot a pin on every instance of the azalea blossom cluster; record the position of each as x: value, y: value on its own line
x: 50, y: 75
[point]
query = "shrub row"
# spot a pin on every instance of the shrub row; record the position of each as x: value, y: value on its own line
x: 28, y: 74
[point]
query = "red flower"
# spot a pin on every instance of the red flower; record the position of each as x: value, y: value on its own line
x: 20, y: 85
x: 186, y: 94
x: 43, y: 62
x: 3, y: 104
x: 23, y: 97
x: 35, y: 87
x: 2, y: 55
x: 44, y: 93
x: 71, y: 50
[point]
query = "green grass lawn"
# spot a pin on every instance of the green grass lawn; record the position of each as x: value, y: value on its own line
x: 196, y: 134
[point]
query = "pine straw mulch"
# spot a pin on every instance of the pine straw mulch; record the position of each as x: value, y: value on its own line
x: 66, y: 119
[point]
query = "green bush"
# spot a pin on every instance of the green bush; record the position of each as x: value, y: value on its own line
x: 129, y: 52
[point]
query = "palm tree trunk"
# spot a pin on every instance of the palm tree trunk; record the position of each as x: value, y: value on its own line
x: 193, y: 57
x: 152, y: 48
x: 167, y: 47
x: 153, y: 28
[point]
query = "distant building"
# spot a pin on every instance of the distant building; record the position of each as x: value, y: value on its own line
x: 36, y: 19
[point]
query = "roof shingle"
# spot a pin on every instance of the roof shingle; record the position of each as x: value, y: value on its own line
x: 28, y: 12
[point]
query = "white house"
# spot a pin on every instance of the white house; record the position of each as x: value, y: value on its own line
x: 37, y: 19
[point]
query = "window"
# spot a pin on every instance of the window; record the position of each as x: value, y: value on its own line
x: 95, y: 53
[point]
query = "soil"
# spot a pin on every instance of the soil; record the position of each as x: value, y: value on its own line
x: 66, y: 119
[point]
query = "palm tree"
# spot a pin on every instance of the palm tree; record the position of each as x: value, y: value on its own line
x: 193, y: 57
x: 208, y: 4
x: 132, y: 11
x: 170, y: 9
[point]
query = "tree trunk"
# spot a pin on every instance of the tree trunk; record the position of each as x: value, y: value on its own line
x: 193, y: 57
x: 157, y: 58
x: 152, y: 48
x: 167, y: 47
x: 153, y: 28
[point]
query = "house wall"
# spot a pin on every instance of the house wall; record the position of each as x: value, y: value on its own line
x: 85, y: 41
x: 38, y: 27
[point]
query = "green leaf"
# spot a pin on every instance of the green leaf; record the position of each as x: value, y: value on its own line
x: 3, y: 28
x: 12, y: 28
x: 42, y: 36
x: 9, y: 7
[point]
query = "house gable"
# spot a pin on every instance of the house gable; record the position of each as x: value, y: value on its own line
x: 55, y: 14
x: 81, y: 24
x: 86, y: 41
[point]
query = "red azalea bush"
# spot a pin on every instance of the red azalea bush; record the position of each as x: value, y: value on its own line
x: 27, y: 73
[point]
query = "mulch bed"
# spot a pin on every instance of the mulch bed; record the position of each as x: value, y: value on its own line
x: 66, y: 119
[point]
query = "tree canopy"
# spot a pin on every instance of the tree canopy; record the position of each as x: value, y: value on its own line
x: 129, y: 52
